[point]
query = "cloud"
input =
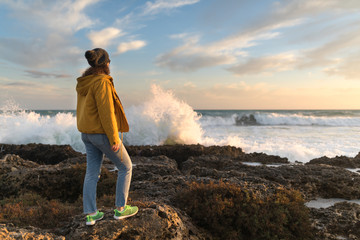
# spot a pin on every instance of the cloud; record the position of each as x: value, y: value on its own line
x: 327, y: 54
x: 269, y: 64
x: 28, y: 87
x: 192, y: 56
x: 39, y: 52
x: 189, y: 85
x: 51, y: 41
x: 153, y: 73
x: 41, y: 95
x: 159, y: 5
x: 348, y: 68
x: 39, y: 74
x: 239, y: 95
x: 285, y: 10
x: 264, y: 95
x: 129, y: 46
x: 103, y: 38
x: 334, y: 56
x: 188, y: 62
x: 284, y: 14
x: 19, y: 84
x: 65, y: 16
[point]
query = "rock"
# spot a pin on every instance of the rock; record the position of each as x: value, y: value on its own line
x: 262, y: 158
x: 338, y: 161
x: 312, y: 180
x: 159, y: 173
x: 340, y: 220
x: 9, y: 232
x: 12, y: 162
x: 49, y: 181
x: 156, y: 178
x: 181, y: 153
x: 246, y: 120
x: 40, y: 153
x: 152, y: 222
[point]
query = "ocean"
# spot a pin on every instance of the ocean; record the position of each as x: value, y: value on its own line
x: 299, y: 135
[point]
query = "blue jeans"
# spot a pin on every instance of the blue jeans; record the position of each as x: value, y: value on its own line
x: 96, y: 146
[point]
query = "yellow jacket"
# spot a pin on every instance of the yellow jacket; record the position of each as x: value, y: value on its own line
x: 99, y: 109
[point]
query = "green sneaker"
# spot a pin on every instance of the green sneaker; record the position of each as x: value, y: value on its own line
x: 90, y: 220
x: 127, y: 212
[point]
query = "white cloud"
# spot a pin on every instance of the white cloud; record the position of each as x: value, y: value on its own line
x: 189, y: 85
x: 43, y: 95
x: 269, y: 64
x: 239, y: 95
x: 348, y: 68
x: 52, y: 38
x: 327, y: 53
x: 159, y: 5
x: 103, y: 38
x: 129, y: 46
x: 153, y: 73
x: 335, y: 57
x: 192, y: 56
x: 65, y: 16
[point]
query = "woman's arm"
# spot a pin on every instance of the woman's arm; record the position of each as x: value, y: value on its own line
x: 105, y: 106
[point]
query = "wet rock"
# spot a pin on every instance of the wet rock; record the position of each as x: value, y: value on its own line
x: 246, y: 120
x: 262, y: 158
x: 312, y: 180
x: 40, y: 153
x: 181, y: 153
x: 338, y: 161
x: 341, y: 221
x: 159, y: 173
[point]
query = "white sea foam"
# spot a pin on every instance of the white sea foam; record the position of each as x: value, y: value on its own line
x: 282, y: 119
x: 21, y: 127
x: 301, y: 120
x: 163, y: 118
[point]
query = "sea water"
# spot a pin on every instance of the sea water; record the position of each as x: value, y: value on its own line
x: 299, y: 135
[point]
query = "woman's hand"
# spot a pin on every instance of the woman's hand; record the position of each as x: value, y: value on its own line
x: 115, y: 147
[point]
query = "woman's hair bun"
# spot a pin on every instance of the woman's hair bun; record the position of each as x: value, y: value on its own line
x: 90, y: 55
x: 97, y: 57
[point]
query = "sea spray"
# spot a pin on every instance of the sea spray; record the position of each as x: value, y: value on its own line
x: 163, y: 119
x: 299, y: 135
x: 22, y: 127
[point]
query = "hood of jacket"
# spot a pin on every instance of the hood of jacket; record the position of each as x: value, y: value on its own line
x: 85, y: 83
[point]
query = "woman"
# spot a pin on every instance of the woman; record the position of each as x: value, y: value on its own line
x: 100, y: 117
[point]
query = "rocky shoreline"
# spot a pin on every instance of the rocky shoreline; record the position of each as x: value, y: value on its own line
x: 56, y: 172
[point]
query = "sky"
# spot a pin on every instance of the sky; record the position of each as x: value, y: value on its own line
x: 212, y: 54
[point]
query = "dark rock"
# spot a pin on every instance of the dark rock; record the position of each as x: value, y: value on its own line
x: 12, y: 162
x: 312, y: 180
x: 341, y: 221
x: 40, y: 153
x: 338, y: 161
x: 181, y: 153
x: 49, y: 181
x: 159, y: 173
x: 10, y: 232
x: 262, y: 158
x: 246, y: 120
x: 158, y: 222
